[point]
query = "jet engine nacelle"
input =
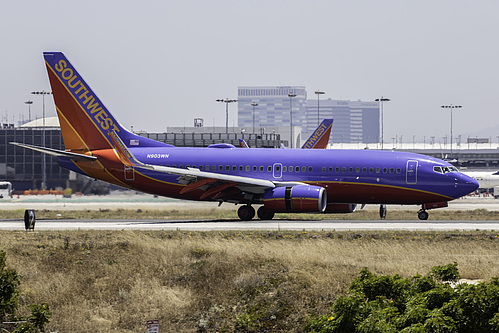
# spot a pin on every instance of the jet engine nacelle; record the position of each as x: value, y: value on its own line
x: 340, y: 208
x: 295, y: 199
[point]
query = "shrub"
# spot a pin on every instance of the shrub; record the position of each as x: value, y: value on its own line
x: 9, y: 283
x: 418, y: 304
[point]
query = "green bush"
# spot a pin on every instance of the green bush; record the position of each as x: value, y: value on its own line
x: 418, y: 304
x: 9, y: 283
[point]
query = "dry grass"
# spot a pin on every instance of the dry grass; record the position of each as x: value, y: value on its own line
x: 108, y: 281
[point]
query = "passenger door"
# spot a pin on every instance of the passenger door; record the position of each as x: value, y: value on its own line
x: 412, y: 172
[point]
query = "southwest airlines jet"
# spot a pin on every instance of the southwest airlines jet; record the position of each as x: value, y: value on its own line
x: 278, y: 180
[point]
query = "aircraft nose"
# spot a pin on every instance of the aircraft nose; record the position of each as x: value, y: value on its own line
x: 466, y: 184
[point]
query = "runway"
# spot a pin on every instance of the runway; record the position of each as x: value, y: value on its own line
x: 212, y: 225
x: 130, y: 200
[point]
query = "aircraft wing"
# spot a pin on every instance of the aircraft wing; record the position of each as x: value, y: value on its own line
x: 197, y: 177
x: 56, y: 152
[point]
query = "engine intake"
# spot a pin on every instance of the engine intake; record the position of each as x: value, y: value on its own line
x: 295, y: 199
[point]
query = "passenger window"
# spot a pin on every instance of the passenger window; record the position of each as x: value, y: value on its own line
x: 240, y: 168
x: 269, y: 168
x: 181, y: 166
x: 385, y: 170
x: 200, y: 167
x: 277, y: 168
x: 303, y: 169
x: 371, y: 170
x: 234, y: 168
x: 290, y: 169
x: 254, y: 167
x: 392, y: 170
x: 247, y: 168
x: 220, y: 167
x: 364, y: 170
x: 330, y: 169
x: 343, y: 169
x: 398, y: 170
x: 284, y: 168
x: 323, y: 169
x: 261, y: 169
x: 297, y: 169
x: 378, y: 170
x: 227, y: 167
x: 357, y: 170
x: 337, y: 169
x: 350, y: 169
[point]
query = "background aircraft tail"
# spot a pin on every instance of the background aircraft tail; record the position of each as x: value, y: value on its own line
x: 85, y: 121
x: 320, y: 137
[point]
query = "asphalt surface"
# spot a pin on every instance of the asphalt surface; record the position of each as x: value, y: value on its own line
x: 207, y: 225
x: 134, y: 201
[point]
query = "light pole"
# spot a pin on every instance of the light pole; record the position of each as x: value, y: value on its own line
x: 253, y: 104
x: 381, y: 100
x: 318, y: 93
x: 451, y: 107
x: 291, y: 95
x: 227, y: 101
x: 29, y: 109
x: 44, y: 163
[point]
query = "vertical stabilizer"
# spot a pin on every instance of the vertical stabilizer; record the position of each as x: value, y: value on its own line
x: 320, y: 137
x: 85, y: 121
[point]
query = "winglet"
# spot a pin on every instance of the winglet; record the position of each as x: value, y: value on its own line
x: 320, y: 137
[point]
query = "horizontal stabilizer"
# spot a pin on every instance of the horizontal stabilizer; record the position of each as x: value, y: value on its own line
x: 56, y: 152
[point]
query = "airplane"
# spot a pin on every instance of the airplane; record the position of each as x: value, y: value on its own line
x: 279, y: 180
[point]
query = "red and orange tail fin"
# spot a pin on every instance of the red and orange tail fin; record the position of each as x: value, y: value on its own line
x: 320, y: 137
x: 85, y: 121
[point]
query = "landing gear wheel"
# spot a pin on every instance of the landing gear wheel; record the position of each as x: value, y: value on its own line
x: 246, y: 213
x: 382, y: 212
x: 423, y: 215
x: 263, y: 214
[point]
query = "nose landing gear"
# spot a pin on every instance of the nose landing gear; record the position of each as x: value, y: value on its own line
x: 423, y: 215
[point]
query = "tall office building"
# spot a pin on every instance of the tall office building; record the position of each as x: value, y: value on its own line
x: 274, y: 105
x: 354, y: 121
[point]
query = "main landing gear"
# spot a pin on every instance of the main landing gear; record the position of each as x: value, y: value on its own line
x: 247, y: 213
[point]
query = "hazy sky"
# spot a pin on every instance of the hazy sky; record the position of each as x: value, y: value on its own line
x: 162, y: 63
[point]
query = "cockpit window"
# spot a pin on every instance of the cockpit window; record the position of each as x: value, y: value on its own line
x: 437, y: 169
x: 445, y: 169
